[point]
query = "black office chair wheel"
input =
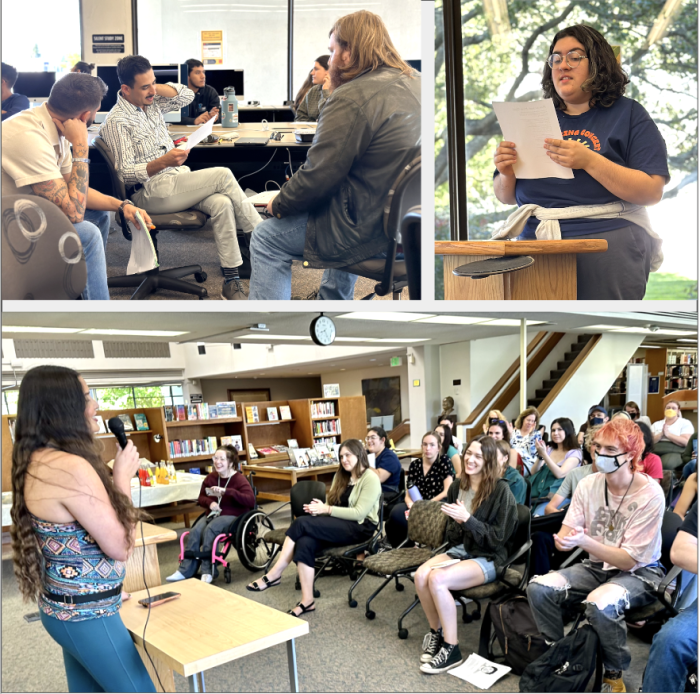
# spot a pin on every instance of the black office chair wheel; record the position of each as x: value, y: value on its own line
x: 467, y: 618
x: 352, y: 603
x: 403, y: 634
x: 227, y: 575
x: 480, y: 269
x: 317, y: 593
x: 400, y: 587
x: 200, y: 277
x: 370, y: 614
x: 353, y: 575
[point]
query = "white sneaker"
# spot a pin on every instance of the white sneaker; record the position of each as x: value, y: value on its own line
x: 177, y: 576
x: 206, y: 578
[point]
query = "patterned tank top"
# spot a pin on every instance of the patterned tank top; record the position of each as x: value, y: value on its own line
x: 74, y: 564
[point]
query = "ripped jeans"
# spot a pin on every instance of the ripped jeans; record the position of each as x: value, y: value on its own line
x: 546, y: 603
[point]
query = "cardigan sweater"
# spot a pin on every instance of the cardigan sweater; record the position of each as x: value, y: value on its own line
x: 363, y: 503
x: 488, y: 532
x: 237, y: 499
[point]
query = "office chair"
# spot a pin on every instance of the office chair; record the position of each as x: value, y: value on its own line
x: 402, y: 226
x: 42, y: 257
x: 151, y: 280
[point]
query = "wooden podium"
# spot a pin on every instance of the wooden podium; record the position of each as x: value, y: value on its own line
x: 552, y: 276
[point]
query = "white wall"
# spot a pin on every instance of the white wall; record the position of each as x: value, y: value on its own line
x: 489, y: 359
x: 424, y: 399
x: 455, y: 365
x: 101, y: 17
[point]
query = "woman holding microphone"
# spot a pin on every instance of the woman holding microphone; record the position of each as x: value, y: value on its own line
x: 617, y: 155
x: 73, y: 530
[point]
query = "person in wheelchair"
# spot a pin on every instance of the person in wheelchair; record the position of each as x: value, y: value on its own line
x: 350, y: 516
x: 482, y: 517
x: 226, y: 494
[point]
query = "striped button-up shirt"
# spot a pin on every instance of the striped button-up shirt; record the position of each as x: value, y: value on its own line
x: 137, y: 136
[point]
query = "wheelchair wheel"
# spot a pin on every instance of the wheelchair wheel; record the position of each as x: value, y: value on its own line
x: 253, y: 551
x: 227, y: 575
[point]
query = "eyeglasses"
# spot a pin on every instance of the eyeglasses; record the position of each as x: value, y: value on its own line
x: 573, y: 59
x: 371, y: 438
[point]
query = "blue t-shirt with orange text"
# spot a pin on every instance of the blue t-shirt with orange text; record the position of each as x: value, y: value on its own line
x: 625, y: 134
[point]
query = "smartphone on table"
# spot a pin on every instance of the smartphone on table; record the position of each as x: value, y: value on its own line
x: 159, y: 599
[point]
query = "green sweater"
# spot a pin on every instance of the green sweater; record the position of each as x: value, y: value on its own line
x: 363, y: 503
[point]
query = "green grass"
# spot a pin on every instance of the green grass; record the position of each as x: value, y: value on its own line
x: 666, y: 285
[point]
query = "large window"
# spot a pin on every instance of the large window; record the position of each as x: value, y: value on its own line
x: 41, y: 35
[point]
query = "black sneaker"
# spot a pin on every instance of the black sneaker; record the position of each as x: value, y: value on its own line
x: 447, y: 658
x: 432, y: 643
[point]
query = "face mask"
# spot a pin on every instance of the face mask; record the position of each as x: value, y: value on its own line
x: 596, y: 421
x: 670, y: 413
x: 608, y: 463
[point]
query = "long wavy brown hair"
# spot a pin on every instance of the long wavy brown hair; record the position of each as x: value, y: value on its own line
x: 51, y: 414
x: 606, y: 79
x: 365, y: 35
x: 341, y: 480
x: 490, y: 473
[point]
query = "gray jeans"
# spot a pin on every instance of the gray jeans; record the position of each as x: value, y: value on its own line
x: 202, y: 534
x: 547, y: 602
x: 213, y: 191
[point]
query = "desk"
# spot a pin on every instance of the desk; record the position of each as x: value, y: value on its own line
x: 274, y: 481
x: 178, y: 638
x: 254, y: 114
x: 553, y: 275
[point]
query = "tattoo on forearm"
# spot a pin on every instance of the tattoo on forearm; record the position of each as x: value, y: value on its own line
x: 71, y: 198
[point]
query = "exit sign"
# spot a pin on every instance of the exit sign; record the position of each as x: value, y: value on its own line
x: 396, y: 361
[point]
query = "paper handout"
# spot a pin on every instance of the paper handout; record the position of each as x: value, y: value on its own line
x: 143, y: 255
x: 480, y: 672
x: 527, y: 124
x: 198, y: 135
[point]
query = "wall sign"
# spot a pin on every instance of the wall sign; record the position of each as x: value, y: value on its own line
x: 107, y: 48
x: 213, y: 47
x: 108, y: 38
x: 196, y: 398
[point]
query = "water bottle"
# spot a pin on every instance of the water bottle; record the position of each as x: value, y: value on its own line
x: 230, y: 108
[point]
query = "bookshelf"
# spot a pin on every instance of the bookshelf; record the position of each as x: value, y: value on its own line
x: 267, y: 432
x: 681, y: 370
x: 329, y: 419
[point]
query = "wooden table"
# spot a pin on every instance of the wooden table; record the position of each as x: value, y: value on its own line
x: 552, y: 276
x: 178, y: 637
x: 274, y: 481
x: 415, y: 453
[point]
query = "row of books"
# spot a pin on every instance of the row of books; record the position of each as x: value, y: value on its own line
x: 235, y: 441
x: 327, y: 441
x: 140, y: 420
x: 252, y: 415
x: 328, y: 426
x: 183, y: 413
x: 182, y: 448
x: 320, y: 454
x: 323, y: 409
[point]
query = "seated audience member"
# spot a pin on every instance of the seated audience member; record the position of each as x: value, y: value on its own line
x: 482, y: 518
x: 688, y: 496
x: 671, y: 436
x: 650, y: 462
x: 312, y: 103
x: 37, y: 160
x: 597, y: 415
x: 447, y: 449
x: 497, y: 416
x: 431, y: 475
x: 82, y: 66
x: 516, y: 481
x: 457, y: 443
x: 498, y: 431
x: 623, y: 415
x: 152, y: 168
x: 634, y: 412
x: 690, y: 456
x: 349, y: 516
x: 303, y: 90
x: 674, y: 650
x: 556, y: 460
x: 615, y: 515
x: 226, y: 494
x: 386, y: 462
x: 331, y: 213
x: 11, y: 103
x: 206, y: 103
x: 523, y: 439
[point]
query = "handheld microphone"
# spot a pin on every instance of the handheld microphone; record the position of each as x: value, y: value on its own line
x: 116, y: 426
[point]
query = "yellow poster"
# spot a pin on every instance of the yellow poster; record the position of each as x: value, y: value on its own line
x: 213, y: 47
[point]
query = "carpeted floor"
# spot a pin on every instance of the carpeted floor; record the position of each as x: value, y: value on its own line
x: 343, y: 652
x: 179, y: 248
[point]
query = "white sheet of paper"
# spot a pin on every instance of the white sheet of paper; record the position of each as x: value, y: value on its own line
x: 480, y: 672
x: 143, y: 254
x: 372, y: 460
x: 198, y: 135
x: 527, y: 124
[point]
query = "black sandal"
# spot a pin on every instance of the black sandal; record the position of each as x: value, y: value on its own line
x: 304, y: 608
x: 254, y: 587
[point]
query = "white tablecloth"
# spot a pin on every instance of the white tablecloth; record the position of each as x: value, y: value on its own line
x: 186, y: 489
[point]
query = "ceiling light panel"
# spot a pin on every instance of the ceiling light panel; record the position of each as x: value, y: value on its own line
x: 141, y: 333
x: 397, y: 317
x: 454, y: 320
x: 34, y: 329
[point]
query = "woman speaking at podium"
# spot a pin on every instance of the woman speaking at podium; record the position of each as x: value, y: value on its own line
x: 616, y: 153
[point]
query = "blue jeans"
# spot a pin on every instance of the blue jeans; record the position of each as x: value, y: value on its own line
x: 690, y: 468
x: 674, y: 651
x: 99, y: 655
x: 93, y: 232
x: 274, y: 244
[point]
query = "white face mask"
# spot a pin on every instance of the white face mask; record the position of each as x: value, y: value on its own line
x: 609, y: 463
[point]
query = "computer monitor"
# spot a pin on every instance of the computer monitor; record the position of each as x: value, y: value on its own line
x: 220, y: 79
x: 415, y: 64
x: 34, y: 85
x: 108, y: 73
x: 167, y: 73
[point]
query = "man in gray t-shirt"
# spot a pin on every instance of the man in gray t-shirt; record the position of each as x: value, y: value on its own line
x: 568, y: 487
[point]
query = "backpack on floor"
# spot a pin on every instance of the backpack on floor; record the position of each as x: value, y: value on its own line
x: 567, y: 666
x: 520, y: 640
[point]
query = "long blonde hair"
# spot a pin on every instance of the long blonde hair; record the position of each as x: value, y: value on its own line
x: 365, y: 35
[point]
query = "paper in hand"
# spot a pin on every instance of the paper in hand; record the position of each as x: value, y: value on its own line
x: 527, y: 124
x: 480, y: 672
x: 198, y: 135
x: 143, y: 254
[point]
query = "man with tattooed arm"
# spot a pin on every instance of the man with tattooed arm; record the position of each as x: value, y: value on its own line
x: 37, y: 160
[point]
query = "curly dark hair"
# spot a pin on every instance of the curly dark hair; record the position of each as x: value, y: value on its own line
x: 606, y: 79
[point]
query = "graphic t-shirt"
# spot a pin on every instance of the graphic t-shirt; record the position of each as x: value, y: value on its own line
x: 636, y: 526
x: 625, y: 134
